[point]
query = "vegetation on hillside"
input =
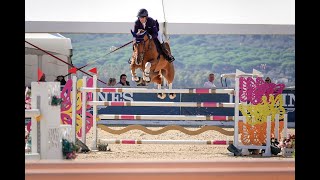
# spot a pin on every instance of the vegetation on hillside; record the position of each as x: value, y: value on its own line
x: 196, y: 56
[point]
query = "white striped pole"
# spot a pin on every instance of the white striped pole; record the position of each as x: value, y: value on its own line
x: 268, y: 139
x: 236, y: 108
x: 94, y: 116
x: 276, y: 127
x: 135, y: 141
x: 285, y: 126
x: 165, y: 117
x: 161, y: 104
x: 146, y: 90
x: 84, y: 110
x: 74, y: 108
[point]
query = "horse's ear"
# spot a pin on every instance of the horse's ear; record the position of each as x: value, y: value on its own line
x: 133, y: 33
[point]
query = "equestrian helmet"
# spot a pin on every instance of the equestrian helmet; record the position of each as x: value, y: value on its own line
x: 142, y: 13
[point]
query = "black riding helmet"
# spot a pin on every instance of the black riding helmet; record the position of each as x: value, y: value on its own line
x: 142, y: 13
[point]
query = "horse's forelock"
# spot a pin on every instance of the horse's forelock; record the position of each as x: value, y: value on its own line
x: 141, y: 34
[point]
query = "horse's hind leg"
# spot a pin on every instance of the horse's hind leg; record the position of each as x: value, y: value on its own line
x: 169, y: 77
x: 156, y: 78
x: 171, y: 95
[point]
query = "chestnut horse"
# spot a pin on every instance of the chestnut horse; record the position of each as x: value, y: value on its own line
x: 145, y: 57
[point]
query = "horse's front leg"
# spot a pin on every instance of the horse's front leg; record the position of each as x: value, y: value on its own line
x: 133, y: 68
x: 146, y: 73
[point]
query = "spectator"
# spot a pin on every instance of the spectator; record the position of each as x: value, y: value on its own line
x: 209, y: 83
x: 61, y: 80
x: 112, y: 82
x: 267, y: 80
x: 123, y: 80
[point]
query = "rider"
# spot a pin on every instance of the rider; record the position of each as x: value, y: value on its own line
x: 152, y: 27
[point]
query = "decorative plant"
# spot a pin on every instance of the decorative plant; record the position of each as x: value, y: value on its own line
x: 27, y: 99
x: 55, y: 101
x: 288, y: 142
x: 69, y: 149
x: 27, y: 141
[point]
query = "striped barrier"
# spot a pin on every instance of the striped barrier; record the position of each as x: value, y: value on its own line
x: 165, y: 117
x: 199, y: 142
x: 145, y: 90
x: 160, y: 104
x: 236, y: 117
x: 96, y: 103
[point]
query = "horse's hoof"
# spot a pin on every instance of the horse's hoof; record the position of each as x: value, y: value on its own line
x: 146, y: 79
x: 161, y: 95
x: 136, y: 79
x: 172, y: 95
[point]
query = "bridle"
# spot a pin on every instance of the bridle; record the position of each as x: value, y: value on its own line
x: 141, y: 54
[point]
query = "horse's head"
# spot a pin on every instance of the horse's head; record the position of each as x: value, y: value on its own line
x: 141, y: 45
x: 140, y: 36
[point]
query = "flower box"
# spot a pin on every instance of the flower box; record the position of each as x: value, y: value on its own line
x: 287, y: 152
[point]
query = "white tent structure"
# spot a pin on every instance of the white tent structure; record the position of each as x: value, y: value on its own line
x: 56, y: 45
x: 174, y: 16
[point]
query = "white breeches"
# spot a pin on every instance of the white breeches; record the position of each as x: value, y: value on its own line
x: 160, y: 37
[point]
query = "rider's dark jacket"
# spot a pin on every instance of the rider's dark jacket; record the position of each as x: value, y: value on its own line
x: 152, y: 27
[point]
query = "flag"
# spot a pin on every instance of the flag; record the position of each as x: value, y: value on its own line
x: 93, y: 70
x: 73, y: 70
x: 40, y: 74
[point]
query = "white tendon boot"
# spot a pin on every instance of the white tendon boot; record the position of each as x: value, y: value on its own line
x: 161, y: 95
x: 146, y: 76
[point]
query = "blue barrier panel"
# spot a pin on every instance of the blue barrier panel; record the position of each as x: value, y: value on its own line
x: 289, y: 104
x: 288, y: 97
x: 215, y: 111
x: 134, y: 110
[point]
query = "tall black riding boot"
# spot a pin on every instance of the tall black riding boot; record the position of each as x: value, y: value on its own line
x: 166, y: 53
x: 158, y: 46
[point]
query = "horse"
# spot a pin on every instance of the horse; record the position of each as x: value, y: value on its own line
x: 154, y: 67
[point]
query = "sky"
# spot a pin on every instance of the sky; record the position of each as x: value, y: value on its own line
x: 175, y: 11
